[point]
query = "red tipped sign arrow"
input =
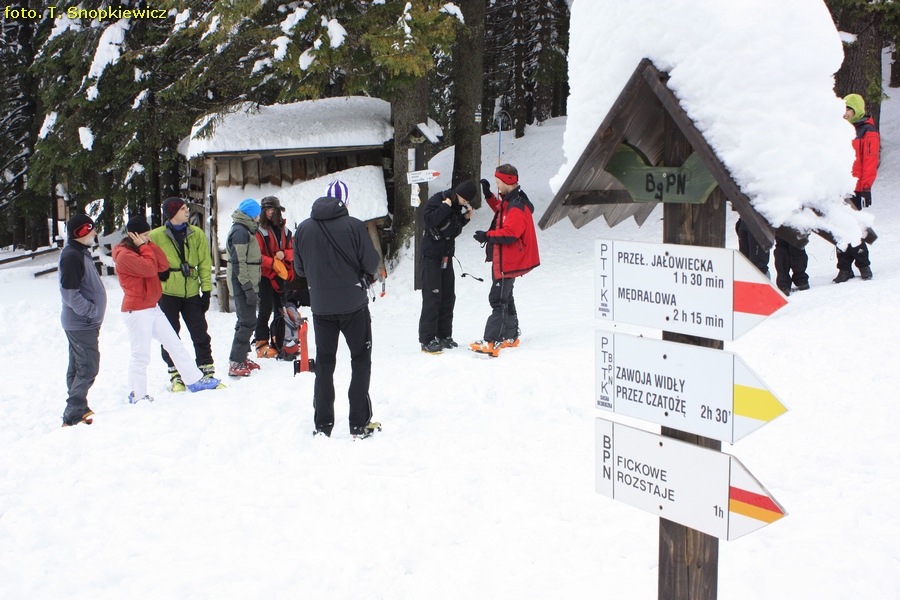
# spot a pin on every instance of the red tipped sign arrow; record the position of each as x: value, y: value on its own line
x: 421, y: 176
x: 709, y: 292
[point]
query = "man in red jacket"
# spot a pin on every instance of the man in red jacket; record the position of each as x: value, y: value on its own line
x: 511, y: 247
x: 865, y: 169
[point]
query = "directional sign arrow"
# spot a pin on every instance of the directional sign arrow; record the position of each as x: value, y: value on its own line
x: 697, y: 487
x: 421, y: 176
x: 709, y: 292
x: 708, y: 392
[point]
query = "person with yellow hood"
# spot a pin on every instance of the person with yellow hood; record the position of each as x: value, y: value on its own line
x: 867, y: 146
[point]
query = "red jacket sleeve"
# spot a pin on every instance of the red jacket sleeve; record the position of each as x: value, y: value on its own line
x: 143, y: 263
x: 867, y: 157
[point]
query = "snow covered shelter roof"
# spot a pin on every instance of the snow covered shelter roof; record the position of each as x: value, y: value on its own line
x: 328, y: 123
x: 755, y: 78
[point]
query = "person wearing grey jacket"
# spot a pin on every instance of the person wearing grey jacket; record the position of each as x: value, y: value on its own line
x: 243, y: 273
x: 83, y: 309
x: 335, y: 254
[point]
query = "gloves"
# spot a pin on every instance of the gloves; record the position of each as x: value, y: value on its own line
x: 480, y: 237
x: 252, y: 297
x: 204, y: 300
x: 486, y: 188
x: 163, y: 275
x: 864, y: 199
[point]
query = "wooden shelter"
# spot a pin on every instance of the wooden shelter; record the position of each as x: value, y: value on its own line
x: 623, y: 154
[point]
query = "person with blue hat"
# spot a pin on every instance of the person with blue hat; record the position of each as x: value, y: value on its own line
x: 243, y: 273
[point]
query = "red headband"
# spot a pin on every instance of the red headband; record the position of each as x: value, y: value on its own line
x: 83, y: 230
x: 507, y: 179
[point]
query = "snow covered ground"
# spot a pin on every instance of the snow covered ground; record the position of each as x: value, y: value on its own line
x: 482, y: 483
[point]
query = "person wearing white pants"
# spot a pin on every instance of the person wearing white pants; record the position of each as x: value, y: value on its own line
x: 138, y: 263
x: 143, y: 327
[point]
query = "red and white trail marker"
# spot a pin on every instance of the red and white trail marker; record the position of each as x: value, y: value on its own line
x: 714, y: 293
x: 421, y: 176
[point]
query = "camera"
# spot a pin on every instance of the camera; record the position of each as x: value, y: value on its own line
x: 186, y: 270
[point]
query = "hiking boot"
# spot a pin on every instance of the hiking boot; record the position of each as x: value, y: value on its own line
x: 361, y: 433
x: 264, y: 350
x: 843, y: 275
x: 238, y: 369
x: 803, y: 286
x: 177, y: 381
x: 324, y: 430
x: 433, y: 347
x: 205, y: 383
x: 251, y: 365
x: 133, y: 400
x: 865, y: 273
x: 84, y: 418
x: 785, y: 290
x: 486, y: 347
x: 448, y: 343
x: 510, y: 343
x: 209, y: 369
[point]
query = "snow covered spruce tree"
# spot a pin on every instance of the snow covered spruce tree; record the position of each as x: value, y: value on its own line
x: 526, y: 42
x: 119, y: 94
x: 24, y: 211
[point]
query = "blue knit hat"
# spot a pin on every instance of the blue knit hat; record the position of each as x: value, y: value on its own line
x: 338, y: 189
x: 250, y: 207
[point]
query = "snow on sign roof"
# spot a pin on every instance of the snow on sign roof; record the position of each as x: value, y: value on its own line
x: 327, y: 123
x: 756, y: 77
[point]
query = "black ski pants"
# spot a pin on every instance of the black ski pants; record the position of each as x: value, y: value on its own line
x: 750, y: 248
x: 438, y: 299
x: 270, y: 302
x: 503, y: 324
x: 84, y: 364
x: 854, y: 254
x: 191, y: 310
x: 790, y: 264
x: 357, y: 330
x: 243, y: 328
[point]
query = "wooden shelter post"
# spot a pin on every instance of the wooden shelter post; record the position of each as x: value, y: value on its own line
x: 689, y: 559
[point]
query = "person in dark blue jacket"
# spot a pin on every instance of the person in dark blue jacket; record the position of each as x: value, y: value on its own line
x: 83, y: 309
x: 444, y: 216
x: 335, y: 254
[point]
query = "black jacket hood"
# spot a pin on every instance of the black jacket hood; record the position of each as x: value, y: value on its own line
x: 327, y: 208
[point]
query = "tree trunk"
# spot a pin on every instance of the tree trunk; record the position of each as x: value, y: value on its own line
x: 468, y: 86
x: 860, y: 72
x: 407, y: 109
x: 519, y: 110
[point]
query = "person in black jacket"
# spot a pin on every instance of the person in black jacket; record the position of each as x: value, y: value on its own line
x: 444, y: 216
x: 335, y: 254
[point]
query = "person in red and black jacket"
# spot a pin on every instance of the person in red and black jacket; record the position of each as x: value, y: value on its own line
x: 276, y: 247
x: 512, y: 248
x: 867, y: 146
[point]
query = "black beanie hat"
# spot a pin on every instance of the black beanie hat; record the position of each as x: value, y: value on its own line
x: 138, y: 224
x: 171, y: 206
x: 466, y: 189
x: 79, y: 226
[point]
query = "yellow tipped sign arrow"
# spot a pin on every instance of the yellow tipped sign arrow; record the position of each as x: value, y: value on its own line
x: 699, y: 390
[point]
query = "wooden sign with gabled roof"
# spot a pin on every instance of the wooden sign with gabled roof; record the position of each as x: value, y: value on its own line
x: 607, y: 178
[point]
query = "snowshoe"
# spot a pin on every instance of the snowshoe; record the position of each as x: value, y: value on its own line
x: 367, y: 430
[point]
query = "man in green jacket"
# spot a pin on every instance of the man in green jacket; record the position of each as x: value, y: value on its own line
x: 244, y: 270
x: 187, y: 285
